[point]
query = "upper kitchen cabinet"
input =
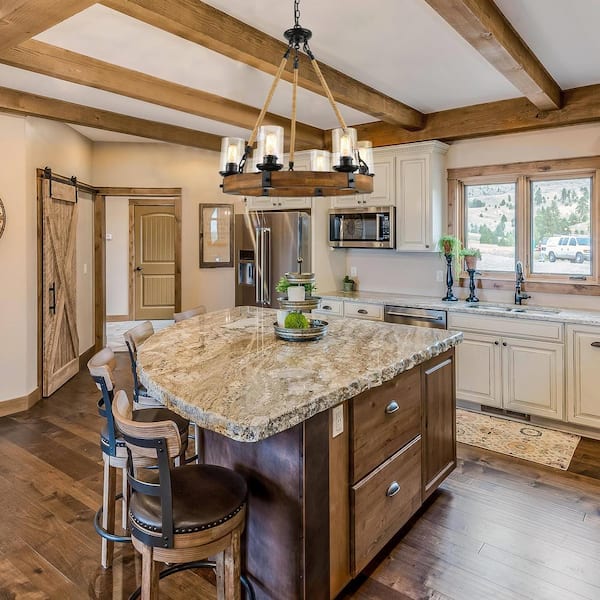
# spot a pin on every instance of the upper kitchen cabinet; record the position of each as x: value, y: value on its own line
x: 420, y: 171
x: 383, y: 185
x: 301, y: 163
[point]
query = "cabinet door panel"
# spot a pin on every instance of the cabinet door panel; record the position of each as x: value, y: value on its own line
x: 478, y: 366
x: 413, y: 206
x: 439, y: 421
x: 533, y: 377
x: 583, y: 375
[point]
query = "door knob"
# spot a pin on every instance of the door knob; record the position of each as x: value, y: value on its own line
x: 139, y: 269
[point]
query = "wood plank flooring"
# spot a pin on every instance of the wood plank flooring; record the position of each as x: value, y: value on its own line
x: 499, y: 528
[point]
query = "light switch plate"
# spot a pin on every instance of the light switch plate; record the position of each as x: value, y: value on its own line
x: 108, y: 237
x: 338, y: 421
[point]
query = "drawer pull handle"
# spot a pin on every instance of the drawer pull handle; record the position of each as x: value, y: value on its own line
x: 595, y: 344
x: 326, y: 307
x: 392, y: 407
x: 362, y: 311
x: 393, y: 489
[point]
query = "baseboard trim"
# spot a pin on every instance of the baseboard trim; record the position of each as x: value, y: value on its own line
x: 85, y: 357
x: 16, y: 405
x: 117, y: 318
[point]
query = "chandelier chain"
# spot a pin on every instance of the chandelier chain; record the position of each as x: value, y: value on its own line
x: 296, y: 13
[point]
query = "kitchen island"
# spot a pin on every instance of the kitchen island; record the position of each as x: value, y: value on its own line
x: 341, y: 440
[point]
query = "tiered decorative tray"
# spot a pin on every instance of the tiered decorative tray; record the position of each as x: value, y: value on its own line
x: 317, y: 328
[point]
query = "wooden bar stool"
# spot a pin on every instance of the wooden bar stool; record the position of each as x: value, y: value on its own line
x: 188, y: 314
x: 192, y: 512
x: 133, y: 338
x: 114, y: 453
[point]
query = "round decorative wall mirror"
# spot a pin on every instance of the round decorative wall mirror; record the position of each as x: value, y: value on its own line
x: 2, y: 218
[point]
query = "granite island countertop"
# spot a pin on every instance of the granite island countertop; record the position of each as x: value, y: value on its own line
x: 524, y: 311
x: 229, y: 373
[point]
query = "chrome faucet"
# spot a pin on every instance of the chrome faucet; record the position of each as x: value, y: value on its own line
x: 519, y: 295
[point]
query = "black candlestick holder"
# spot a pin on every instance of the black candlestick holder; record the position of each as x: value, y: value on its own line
x: 450, y: 297
x: 472, y: 297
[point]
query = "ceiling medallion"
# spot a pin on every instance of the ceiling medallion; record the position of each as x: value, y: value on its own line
x: 352, y: 160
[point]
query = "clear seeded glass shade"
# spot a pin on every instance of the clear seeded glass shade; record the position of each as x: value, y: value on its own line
x: 320, y: 160
x: 365, y: 149
x: 232, y: 150
x: 270, y: 142
x: 343, y: 144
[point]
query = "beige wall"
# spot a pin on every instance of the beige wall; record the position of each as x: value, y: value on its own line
x: 415, y: 273
x: 117, y: 255
x: 196, y: 172
x: 27, y: 144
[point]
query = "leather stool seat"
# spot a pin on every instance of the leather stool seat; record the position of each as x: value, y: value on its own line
x: 204, y: 496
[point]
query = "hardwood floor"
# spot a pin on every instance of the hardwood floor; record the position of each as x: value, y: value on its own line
x: 499, y: 528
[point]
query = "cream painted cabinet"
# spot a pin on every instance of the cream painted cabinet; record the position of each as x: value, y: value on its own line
x: 583, y: 375
x: 514, y: 371
x: 533, y: 377
x: 420, y: 171
x: 383, y: 185
x: 478, y: 369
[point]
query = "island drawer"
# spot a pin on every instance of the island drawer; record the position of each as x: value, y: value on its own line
x: 383, y: 502
x: 383, y: 419
x: 333, y: 307
x: 362, y: 310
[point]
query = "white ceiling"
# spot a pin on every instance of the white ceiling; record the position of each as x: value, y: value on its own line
x: 402, y: 48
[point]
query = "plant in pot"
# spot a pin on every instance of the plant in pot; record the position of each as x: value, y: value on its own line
x: 348, y: 284
x: 471, y: 256
x: 296, y: 293
x: 450, y: 247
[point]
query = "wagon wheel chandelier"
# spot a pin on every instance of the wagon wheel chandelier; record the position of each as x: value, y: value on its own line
x: 352, y: 160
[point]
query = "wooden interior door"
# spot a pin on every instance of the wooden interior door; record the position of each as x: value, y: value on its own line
x: 154, y: 262
x: 59, y: 285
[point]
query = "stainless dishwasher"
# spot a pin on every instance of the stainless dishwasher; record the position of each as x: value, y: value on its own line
x: 423, y: 317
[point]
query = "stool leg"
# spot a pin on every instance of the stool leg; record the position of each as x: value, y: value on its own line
x: 229, y: 570
x: 149, y: 575
x: 109, y: 490
x: 125, y: 502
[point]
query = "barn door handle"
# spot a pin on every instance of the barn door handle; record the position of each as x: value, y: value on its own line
x: 595, y: 344
x: 52, y: 306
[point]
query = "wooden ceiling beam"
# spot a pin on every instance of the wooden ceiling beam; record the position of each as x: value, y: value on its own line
x: 23, y: 103
x: 205, y: 25
x: 580, y: 105
x: 482, y: 24
x: 20, y: 20
x: 70, y: 66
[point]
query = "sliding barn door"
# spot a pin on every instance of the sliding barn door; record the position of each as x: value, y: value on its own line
x: 60, y: 339
x: 154, y: 259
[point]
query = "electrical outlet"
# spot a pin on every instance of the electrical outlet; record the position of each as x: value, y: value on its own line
x: 338, y: 421
x: 439, y: 275
x: 353, y: 272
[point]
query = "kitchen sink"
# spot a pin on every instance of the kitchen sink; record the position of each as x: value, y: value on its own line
x: 517, y: 309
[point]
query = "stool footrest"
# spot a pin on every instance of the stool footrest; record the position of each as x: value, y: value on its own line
x: 107, y: 535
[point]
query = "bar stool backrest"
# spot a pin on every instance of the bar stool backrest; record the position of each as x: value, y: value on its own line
x: 188, y: 314
x: 133, y: 338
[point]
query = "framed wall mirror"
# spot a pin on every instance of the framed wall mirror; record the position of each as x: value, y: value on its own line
x: 216, y: 235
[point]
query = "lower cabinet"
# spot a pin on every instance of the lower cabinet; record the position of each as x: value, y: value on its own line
x: 401, y: 446
x: 512, y: 372
x: 583, y: 375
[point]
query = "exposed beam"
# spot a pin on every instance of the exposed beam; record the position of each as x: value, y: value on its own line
x: 22, y: 19
x: 57, y: 62
x: 581, y: 105
x: 23, y: 103
x: 209, y: 27
x: 482, y: 24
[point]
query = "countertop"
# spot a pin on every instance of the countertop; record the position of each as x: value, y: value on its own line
x: 228, y: 372
x: 524, y: 311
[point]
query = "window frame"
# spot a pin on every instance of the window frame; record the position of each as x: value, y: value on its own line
x: 522, y: 174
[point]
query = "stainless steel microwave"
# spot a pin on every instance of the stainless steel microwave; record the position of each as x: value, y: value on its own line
x: 365, y: 227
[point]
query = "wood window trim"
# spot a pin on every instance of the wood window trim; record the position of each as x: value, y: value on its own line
x: 522, y: 173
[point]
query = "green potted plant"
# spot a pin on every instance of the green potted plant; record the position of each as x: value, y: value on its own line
x: 283, y: 286
x: 348, y: 284
x: 471, y: 256
x: 449, y: 247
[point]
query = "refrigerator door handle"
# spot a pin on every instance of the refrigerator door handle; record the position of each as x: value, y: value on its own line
x: 263, y: 260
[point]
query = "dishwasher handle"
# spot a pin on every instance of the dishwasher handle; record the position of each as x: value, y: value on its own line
x: 420, y: 317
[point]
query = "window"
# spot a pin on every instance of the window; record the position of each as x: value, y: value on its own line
x: 490, y: 224
x: 544, y: 214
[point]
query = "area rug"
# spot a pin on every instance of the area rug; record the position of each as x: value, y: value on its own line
x: 530, y: 442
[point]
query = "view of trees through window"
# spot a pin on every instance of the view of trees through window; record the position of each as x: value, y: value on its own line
x: 490, y: 224
x: 561, y: 214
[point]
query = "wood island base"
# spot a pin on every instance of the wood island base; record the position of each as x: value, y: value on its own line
x: 320, y: 507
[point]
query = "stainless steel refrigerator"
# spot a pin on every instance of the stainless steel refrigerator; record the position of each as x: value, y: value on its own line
x: 268, y: 245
